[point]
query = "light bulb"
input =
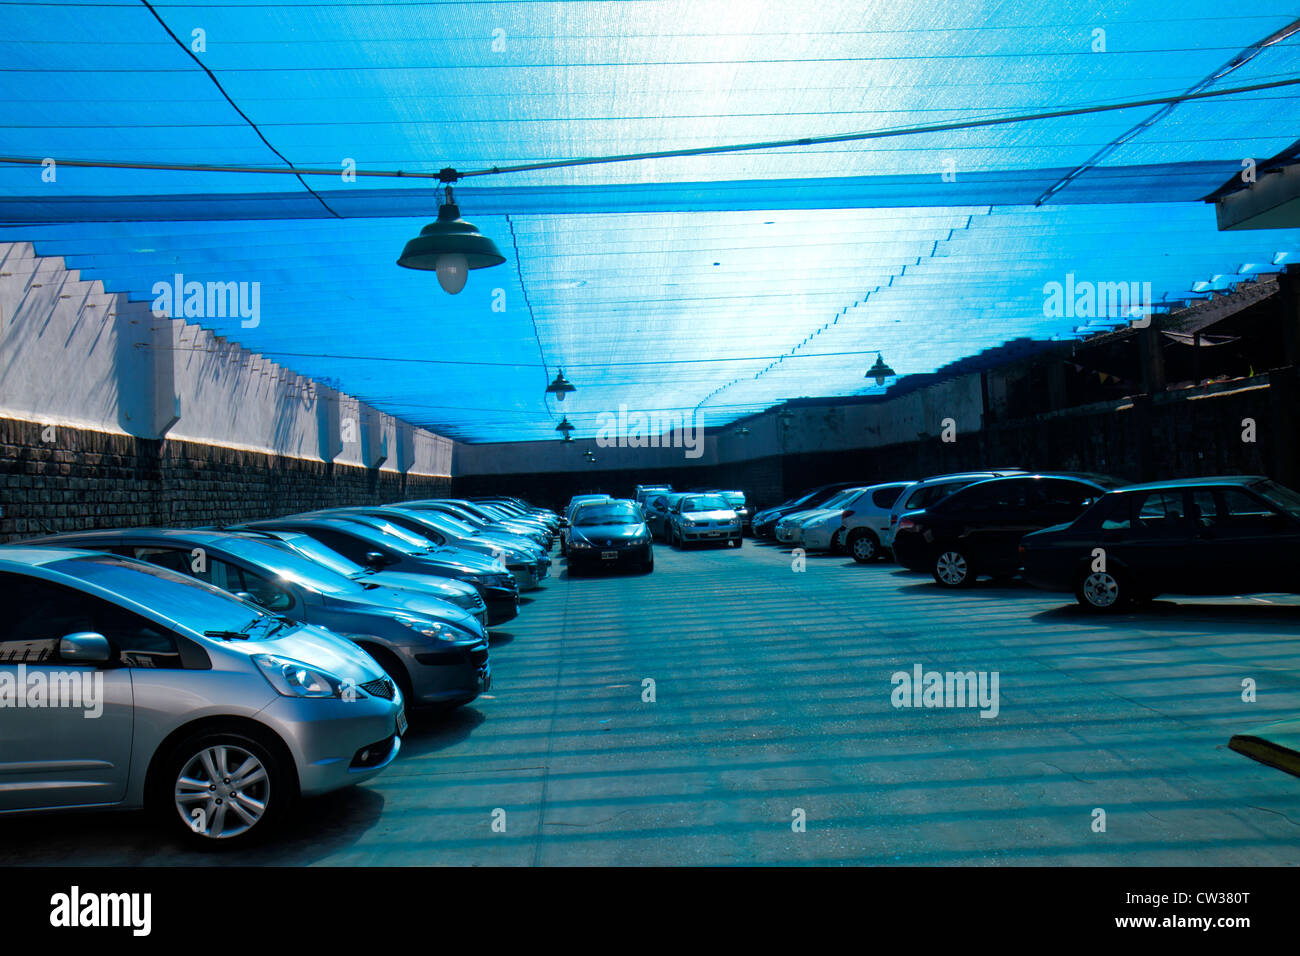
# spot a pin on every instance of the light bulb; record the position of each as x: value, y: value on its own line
x: 453, y: 270
x: 559, y: 396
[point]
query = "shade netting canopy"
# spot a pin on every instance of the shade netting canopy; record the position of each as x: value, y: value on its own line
x: 721, y: 283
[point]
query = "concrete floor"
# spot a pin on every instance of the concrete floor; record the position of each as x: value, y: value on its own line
x: 774, y: 694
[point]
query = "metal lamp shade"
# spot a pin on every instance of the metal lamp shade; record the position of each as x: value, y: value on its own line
x: 447, y: 235
x: 880, y: 371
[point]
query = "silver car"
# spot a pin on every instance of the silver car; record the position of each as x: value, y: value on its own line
x: 700, y: 518
x: 164, y: 692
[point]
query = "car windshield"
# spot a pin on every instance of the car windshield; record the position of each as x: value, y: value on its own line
x: 178, y: 598
x: 290, y: 566
x: 734, y: 497
x: 467, y: 517
x: 445, y: 522
x: 839, y: 498
x: 385, y: 538
x: 592, y: 515
x: 313, y: 550
x: 706, y: 503
x: 411, y: 539
x: 1280, y: 495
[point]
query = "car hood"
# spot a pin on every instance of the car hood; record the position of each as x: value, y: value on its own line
x: 609, y: 531
x: 444, y: 588
x: 491, y: 543
x: 315, y: 647
x: 385, y: 601
x: 460, y: 559
x: 792, y: 516
x: 820, y: 514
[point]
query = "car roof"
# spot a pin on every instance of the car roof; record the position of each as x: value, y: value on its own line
x: 1239, y: 480
x: 1103, y: 483
x: 122, y: 534
x: 35, y: 556
x: 959, y: 475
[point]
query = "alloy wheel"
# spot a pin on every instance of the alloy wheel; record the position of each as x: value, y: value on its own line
x: 1100, y: 589
x: 222, y: 791
x: 864, y: 548
x: 951, y: 568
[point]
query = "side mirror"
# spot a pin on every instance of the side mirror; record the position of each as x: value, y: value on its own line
x: 376, y: 559
x: 85, y: 647
x: 248, y: 596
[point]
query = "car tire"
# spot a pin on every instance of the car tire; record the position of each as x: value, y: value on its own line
x: 268, y: 797
x: 952, y: 569
x: 1101, y: 592
x: 864, y: 545
x: 838, y: 542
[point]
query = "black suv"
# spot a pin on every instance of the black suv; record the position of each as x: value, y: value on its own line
x: 977, y: 530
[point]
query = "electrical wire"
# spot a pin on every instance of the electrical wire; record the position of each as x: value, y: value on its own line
x: 887, y: 133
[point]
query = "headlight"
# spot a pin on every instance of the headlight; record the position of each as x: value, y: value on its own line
x: 292, y: 678
x: 436, y: 630
x: 579, y: 543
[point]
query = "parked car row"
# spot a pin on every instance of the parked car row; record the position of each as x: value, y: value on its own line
x: 1107, y: 543
x: 233, y: 670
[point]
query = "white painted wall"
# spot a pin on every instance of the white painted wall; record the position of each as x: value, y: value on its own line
x: 72, y: 354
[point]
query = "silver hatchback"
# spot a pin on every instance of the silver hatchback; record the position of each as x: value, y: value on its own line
x: 126, y: 685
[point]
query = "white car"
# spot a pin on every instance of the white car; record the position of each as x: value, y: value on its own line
x: 787, y: 528
x: 857, y: 526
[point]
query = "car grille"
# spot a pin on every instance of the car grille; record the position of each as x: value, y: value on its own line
x: 382, y: 687
x: 479, y: 658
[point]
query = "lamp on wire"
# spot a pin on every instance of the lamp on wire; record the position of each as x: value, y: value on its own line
x: 880, y: 371
x: 450, y: 246
x: 560, y: 387
x: 566, y: 428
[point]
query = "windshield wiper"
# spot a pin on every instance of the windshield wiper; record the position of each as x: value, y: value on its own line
x: 227, y: 635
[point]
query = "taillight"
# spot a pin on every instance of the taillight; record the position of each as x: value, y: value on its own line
x: 847, y: 514
x: 906, y: 523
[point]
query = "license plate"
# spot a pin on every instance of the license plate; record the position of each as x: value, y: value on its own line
x: 715, y: 534
x: 401, y: 722
x: 609, y: 555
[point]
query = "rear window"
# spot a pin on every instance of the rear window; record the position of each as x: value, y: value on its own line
x: 885, y: 497
x: 927, y: 495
